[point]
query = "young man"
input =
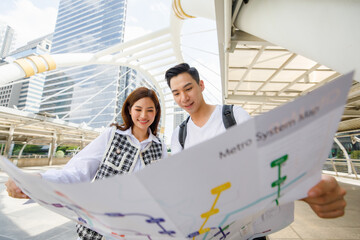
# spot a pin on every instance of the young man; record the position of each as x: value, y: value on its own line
x: 326, y: 198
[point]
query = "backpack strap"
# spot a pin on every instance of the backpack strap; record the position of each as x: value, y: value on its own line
x: 228, y: 116
x: 183, y: 132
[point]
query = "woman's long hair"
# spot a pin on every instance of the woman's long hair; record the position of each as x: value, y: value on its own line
x: 137, y: 94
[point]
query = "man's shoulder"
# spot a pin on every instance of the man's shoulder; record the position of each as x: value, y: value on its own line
x: 240, y: 114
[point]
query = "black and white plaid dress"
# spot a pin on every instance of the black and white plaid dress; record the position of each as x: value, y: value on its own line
x: 120, y: 158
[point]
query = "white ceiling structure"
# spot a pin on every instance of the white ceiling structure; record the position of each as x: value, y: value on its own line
x: 274, y: 51
x: 270, y: 53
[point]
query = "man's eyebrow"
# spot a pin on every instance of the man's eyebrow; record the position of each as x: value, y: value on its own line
x: 185, y: 86
x: 188, y: 84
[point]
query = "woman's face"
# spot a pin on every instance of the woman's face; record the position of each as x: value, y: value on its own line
x: 143, y: 113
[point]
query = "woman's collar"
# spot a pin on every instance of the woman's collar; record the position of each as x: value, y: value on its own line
x: 151, y: 137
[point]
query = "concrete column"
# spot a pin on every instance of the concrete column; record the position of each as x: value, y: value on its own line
x: 52, y: 148
x: 20, y: 153
x: 2, y: 148
x: 11, y: 150
x: 82, y: 142
x: 9, y: 142
x: 22, y: 149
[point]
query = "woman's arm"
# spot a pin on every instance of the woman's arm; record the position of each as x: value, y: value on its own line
x: 83, y: 166
x: 14, y: 191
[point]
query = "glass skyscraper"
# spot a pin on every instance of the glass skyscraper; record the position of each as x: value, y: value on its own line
x: 6, y: 39
x: 27, y: 94
x: 83, y: 93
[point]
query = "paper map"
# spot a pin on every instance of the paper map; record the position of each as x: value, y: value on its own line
x: 239, y: 185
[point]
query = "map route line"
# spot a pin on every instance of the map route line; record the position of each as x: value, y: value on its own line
x: 261, y: 199
x: 254, y: 203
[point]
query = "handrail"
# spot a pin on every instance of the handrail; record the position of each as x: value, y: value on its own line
x: 343, y: 162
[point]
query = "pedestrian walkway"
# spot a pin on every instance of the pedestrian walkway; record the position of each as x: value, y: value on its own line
x: 308, y: 226
x: 31, y: 221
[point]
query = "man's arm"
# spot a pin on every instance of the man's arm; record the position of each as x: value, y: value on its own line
x: 327, y: 198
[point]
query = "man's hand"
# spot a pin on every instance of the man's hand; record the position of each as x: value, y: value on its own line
x: 13, y: 190
x: 327, y: 198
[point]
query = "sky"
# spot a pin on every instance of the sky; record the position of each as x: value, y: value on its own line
x: 36, y: 18
x: 32, y: 19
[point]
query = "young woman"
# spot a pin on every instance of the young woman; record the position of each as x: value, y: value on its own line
x: 120, y: 149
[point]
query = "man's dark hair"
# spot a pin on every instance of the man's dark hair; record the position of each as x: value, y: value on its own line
x: 182, y: 68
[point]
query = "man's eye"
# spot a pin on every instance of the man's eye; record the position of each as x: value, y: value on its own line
x: 188, y: 89
x: 176, y: 94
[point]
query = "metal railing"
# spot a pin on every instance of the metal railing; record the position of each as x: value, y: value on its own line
x: 340, y: 165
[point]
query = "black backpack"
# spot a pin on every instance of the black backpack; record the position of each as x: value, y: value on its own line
x: 227, y: 117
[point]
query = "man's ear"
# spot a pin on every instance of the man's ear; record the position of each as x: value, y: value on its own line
x: 202, y: 85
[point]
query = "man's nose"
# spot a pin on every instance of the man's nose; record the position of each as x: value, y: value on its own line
x: 184, y: 97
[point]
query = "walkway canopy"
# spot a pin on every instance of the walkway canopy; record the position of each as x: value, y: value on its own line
x: 27, y: 128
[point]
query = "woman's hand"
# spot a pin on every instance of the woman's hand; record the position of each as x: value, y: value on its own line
x: 13, y: 190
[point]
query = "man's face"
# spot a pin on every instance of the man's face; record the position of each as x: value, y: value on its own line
x: 186, y: 92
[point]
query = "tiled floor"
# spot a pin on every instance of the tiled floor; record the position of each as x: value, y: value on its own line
x: 31, y: 221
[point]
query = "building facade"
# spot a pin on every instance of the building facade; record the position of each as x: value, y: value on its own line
x: 7, y: 38
x: 26, y: 95
x: 85, y: 94
x: 179, y: 115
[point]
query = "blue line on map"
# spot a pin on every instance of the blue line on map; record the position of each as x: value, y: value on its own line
x: 260, y: 199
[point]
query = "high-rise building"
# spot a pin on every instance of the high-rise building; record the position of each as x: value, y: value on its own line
x: 6, y: 39
x: 26, y: 95
x: 85, y: 93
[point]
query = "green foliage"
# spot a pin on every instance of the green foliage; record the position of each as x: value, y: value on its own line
x: 340, y: 154
x: 355, y: 154
x: 64, y: 148
x: 59, y: 154
x: 29, y: 149
x: 16, y: 149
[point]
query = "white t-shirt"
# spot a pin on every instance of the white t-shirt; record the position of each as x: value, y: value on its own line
x: 213, y: 127
x: 83, y: 166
